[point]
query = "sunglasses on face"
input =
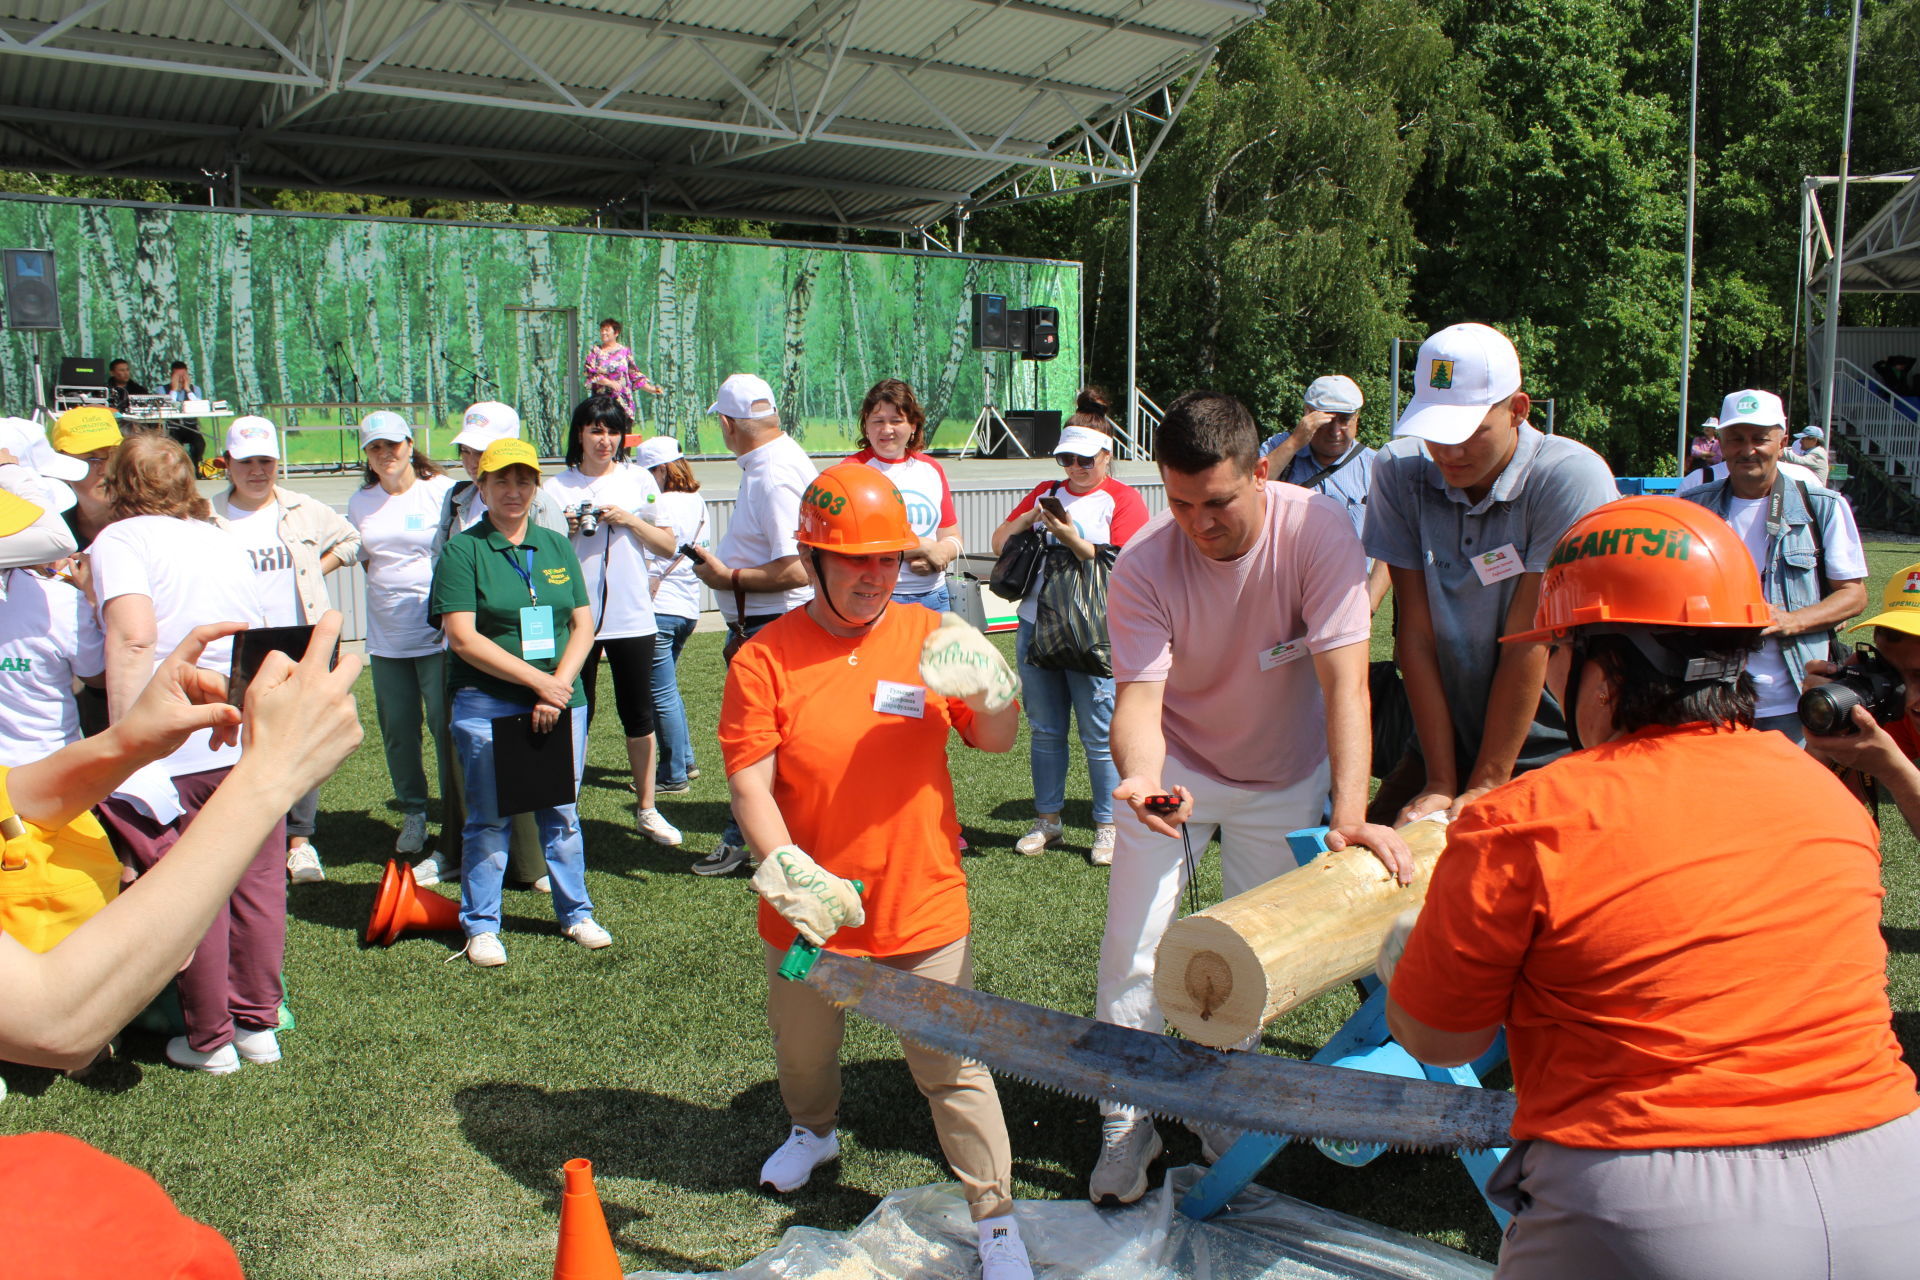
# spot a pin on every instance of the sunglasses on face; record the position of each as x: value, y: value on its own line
x: 1073, y: 460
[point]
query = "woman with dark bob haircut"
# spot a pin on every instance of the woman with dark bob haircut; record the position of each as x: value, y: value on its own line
x: 609, y: 504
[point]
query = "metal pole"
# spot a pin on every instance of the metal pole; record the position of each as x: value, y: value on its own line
x: 1393, y: 418
x: 1686, y: 293
x: 1835, y: 263
x: 1133, y: 316
x: 959, y: 230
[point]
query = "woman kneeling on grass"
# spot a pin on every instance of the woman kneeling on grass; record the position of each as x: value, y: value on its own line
x: 509, y: 597
x: 848, y: 692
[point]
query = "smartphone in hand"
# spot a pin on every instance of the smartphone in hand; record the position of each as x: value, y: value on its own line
x: 250, y: 649
x: 1054, y: 507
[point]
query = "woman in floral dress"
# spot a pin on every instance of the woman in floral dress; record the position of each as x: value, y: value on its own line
x: 611, y: 368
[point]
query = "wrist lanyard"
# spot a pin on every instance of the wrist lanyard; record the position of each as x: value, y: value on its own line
x: 526, y: 574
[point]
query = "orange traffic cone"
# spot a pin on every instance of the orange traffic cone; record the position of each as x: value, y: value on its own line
x: 401, y: 907
x: 586, y: 1246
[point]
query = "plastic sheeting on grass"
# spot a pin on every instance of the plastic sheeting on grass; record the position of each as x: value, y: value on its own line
x: 924, y: 1234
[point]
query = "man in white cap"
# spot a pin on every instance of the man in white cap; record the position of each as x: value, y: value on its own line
x: 1468, y: 502
x: 755, y: 572
x: 1810, y: 451
x: 1801, y: 536
x: 1323, y: 453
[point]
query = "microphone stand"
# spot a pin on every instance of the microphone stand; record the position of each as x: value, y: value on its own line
x: 474, y: 374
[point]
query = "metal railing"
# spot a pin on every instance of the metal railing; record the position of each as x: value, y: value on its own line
x: 1137, y: 446
x: 1879, y: 423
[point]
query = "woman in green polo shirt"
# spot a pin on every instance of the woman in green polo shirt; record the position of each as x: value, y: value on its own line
x: 508, y: 594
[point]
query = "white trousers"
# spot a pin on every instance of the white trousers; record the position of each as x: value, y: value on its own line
x: 1149, y: 874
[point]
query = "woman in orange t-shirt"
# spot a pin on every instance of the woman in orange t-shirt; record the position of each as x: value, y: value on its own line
x: 1678, y: 925
x: 835, y: 726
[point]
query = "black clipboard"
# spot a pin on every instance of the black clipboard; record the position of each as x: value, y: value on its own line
x: 532, y: 770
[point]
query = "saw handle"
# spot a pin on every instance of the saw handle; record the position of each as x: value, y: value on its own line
x: 802, y: 954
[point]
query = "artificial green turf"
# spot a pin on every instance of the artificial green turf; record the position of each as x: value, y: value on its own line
x: 419, y: 1120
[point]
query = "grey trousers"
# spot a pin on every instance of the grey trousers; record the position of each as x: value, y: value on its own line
x: 1839, y: 1208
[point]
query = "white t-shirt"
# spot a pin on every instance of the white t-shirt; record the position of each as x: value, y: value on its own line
x: 48, y: 635
x: 923, y: 487
x: 613, y: 561
x: 766, y: 515
x: 1109, y: 513
x: 1845, y: 561
x: 194, y: 574
x: 686, y: 515
x: 396, y: 545
x: 259, y: 532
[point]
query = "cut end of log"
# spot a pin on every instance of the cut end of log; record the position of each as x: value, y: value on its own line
x: 1209, y: 982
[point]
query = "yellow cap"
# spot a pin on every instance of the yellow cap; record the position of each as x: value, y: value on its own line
x: 1899, y: 603
x: 509, y: 453
x: 82, y: 430
x: 16, y: 513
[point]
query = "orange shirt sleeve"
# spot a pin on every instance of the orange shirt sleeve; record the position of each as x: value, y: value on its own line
x: 750, y: 721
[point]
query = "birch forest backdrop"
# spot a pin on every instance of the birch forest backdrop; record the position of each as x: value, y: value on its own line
x: 273, y: 311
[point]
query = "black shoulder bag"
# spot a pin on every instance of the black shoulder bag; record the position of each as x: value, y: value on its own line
x: 1019, y: 562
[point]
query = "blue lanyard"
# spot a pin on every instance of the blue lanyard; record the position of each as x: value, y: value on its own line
x: 526, y: 574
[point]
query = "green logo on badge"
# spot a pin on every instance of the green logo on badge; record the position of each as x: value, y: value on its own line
x: 1748, y: 404
x: 1442, y: 376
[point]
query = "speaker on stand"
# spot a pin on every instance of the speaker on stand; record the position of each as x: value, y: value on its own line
x: 33, y: 303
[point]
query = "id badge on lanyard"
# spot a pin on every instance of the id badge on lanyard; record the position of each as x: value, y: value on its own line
x: 536, y: 620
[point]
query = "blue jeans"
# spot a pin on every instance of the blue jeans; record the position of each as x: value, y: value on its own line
x: 1050, y: 697
x: 935, y: 598
x: 483, y: 851
x: 669, y: 710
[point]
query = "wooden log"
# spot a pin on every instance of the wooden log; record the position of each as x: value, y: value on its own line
x: 1222, y: 974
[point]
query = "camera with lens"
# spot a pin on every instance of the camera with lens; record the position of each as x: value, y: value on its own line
x: 589, y: 519
x: 1867, y: 680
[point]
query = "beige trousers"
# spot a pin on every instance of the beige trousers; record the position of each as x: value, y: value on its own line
x: 807, y: 1032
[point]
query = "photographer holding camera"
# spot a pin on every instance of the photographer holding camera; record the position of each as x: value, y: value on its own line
x: 1865, y: 717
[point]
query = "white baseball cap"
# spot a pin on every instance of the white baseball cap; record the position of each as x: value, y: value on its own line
x: 252, y: 437
x: 658, y: 452
x: 1813, y: 433
x: 1084, y: 442
x: 27, y: 441
x: 384, y: 424
x: 1758, y: 408
x: 1335, y: 393
x: 739, y: 393
x: 486, y: 422
x: 1463, y: 371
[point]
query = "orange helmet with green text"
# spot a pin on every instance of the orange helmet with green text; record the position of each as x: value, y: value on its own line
x: 1648, y: 562
x: 852, y: 509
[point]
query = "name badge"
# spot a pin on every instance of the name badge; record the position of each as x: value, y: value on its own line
x: 1498, y: 564
x: 891, y: 698
x: 1281, y: 654
x: 536, y: 632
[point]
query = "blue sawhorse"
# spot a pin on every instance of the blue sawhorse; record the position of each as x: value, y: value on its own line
x: 1363, y: 1044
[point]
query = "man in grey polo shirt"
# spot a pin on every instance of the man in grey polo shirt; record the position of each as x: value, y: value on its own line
x: 1466, y: 508
x: 1323, y: 453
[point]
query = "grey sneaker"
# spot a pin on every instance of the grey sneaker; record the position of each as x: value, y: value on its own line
x: 1128, y: 1144
x: 413, y: 834
x: 1104, y: 836
x: 1045, y: 833
x: 1215, y: 1140
x: 723, y: 861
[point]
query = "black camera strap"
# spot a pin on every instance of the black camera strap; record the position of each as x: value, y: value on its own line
x: 1320, y: 477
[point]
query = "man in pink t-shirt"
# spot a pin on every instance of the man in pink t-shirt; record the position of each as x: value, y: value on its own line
x: 1237, y: 618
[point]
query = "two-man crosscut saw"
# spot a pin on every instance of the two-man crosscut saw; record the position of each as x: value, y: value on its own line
x: 1173, y: 1078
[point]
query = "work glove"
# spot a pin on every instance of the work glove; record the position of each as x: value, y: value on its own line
x: 958, y: 662
x: 808, y: 896
x: 1394, y: 945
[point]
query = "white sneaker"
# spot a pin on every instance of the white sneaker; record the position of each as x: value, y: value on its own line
x: 1103, y: 837
x: 1128, y: 1144
x: 303, y: 865
x: 435, y: 868
x: 789, y: 1168
x: 413, y: 834
x: 1045, y: 833
x: 485, y: 952
x: 1003, y: 1256
x: 221, y: 1062
x: 657, y: 829
x: 543, y: 885
x: 257, y: 1046
x: 588, y: 934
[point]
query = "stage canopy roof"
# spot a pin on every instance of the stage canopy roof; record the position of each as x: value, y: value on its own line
x: 1882, y: 255
x: 885, y: 114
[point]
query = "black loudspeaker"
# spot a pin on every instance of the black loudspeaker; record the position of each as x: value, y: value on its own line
x: 1017, y: 330
x: 1043, y: 334
x: 989, y: 322
x: 1037, y: 430
x: 33, y: 300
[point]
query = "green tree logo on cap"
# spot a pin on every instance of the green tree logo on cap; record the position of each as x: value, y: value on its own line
x: 1442, y: 376
x: 1748, y: 404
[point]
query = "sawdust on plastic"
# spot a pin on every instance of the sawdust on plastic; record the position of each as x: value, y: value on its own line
x: 925, y: 1234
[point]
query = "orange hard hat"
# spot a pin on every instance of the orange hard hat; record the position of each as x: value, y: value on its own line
x: 853, y: 509
x: 1648, y: 562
